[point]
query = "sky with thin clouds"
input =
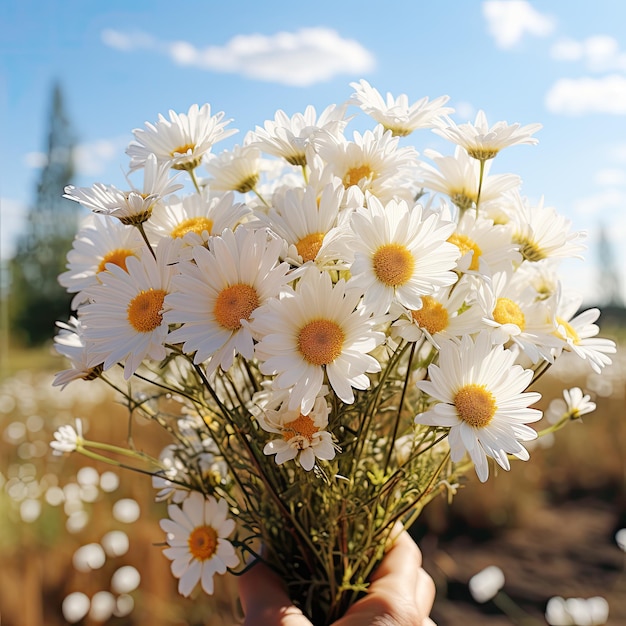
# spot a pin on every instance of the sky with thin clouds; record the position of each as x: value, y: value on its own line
x: 120, y: 64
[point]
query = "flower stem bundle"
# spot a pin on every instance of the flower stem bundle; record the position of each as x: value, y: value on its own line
x: 333, y: 331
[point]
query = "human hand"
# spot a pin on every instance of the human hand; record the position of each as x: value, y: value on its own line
x: 401, y: 593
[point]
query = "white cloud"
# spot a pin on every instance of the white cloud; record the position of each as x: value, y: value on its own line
x: 509, y: 20
x: 35, y: 160
x: 599, y: 53
x: 301, y: 58
x: 580, y: 96
x: 126, y: 42
x: 601, y: 202
x: 610, y: 177
x: 92, y: 158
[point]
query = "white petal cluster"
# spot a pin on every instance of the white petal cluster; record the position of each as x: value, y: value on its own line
x: 327, y: 305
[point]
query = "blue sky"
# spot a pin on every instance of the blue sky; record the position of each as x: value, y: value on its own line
x: 558, y: 62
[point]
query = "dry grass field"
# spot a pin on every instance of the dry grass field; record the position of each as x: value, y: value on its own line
x: 549, y: 524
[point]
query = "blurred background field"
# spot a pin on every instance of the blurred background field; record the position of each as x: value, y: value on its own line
x: 80, y: 541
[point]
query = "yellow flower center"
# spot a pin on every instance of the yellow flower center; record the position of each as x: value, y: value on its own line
x: 320, y: 342
x: 309, y: 246
x: 529, y: 249
x: 248, y: 184
x: 475, y: 405
x: 508, y: 312
x: 187, y: 148
x: 356, y: 174
x: 465, y: 244
x: 462, y: 198
x: 144, y: 310
x: 303, y: 426
x: 193, y: 225
x: 433, y: 316
x: 117, y: 257
x: 393, y: 264
x: 235, y: 303
x: 202, y: 543
x: 481, y: 153
x: 570, y: 333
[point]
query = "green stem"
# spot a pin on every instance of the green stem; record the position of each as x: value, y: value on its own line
x: 141, y: 229
x: 194, y: 180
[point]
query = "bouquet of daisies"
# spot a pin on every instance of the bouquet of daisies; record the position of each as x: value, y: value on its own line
x: 333, y: 329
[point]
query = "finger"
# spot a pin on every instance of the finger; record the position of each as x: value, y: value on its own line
x: 265, y: 600
x: 400, y: 591
x: 399, y: 569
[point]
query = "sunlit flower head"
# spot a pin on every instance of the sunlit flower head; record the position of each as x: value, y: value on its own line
x: 125, y: 323
x: 458, y: 177
x: 572, y: 406
x: 70, y: 342
x: 289, y: 137
x: 373, y: 162
x: 442, y: 315
x: 216, y: 294
x: 238, y: 169
x: 100, y: 240
x: 482, y: 141
x: 516, y: 317
x: 485, y: 584
x: 197, y: 533
x: 130, y: 207
x: 67, y: 438
x: 316, y: 332
x: 307, y: 220
x: 400, y: 254
x: 578, y: 334
x: 180, y: 142
x: 541, y: 232
x: 486, y: 248
x: 302, y: 437
x: 592, y: 611
x: 396, y: 114
x: 196, y: 218
x: 480, y: 396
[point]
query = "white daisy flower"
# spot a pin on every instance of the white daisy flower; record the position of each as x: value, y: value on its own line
x: 517, y: 317
x: 238, y: 169
x: 67, y: 438
x: 100, y: 240
x: 480, y: 396
x: 395, y: 114
x: 372, y: 161
x: 125, y: 320
x: 458, y: 177
x: 486, y: 584
x: 289, y: 138
x: 541, y: 232
x: 443, y: 315
x: 197, y: 534
x: 313, y: 333
x: 197, y: 217
x: 219, y: 289
x: 307, y: 220
x: 573, y: 406
x: 482, y: 141
x: 577, y: 333
x: 180, y: 142
x: 400, y: 254
x: 486, y: 248
x: 130, y: 207
x: 303, y: 437
x: 70, y: 343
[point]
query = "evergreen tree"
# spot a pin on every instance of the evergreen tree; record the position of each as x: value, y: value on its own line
x: 37, y: 300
